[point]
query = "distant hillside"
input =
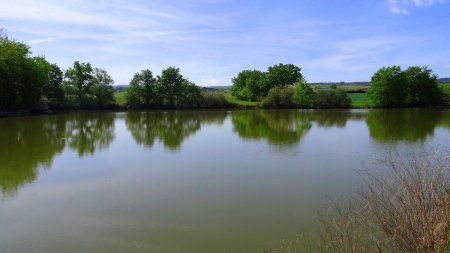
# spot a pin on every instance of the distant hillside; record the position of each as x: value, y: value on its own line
x: 444, y: 80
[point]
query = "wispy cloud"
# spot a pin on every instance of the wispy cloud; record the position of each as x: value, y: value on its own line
x: 401, y: 6
x: 447, y: 66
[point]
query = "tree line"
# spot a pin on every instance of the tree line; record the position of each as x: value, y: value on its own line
x: 283, y: 86
x: 32, y: 83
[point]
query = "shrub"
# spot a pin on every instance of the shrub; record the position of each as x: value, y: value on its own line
x: 279, y: 97
x: 213, y: 99
x: 332, y: 99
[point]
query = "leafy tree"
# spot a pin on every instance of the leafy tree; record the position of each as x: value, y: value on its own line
x: 304, y: 94
x: 102, y: 88
x: 423, y: 87
x: 169, y: 87
x: 389, y: 88
x: 22, y: 77
x: 53, y: 91
x: 191, y: 96
x: 332, y: 99
x: 280, y: 75
x: 80, y: 77
x: 141, y: 90
x: 248, y: 85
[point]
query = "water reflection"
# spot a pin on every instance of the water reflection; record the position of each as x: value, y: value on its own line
x: 403, y: 125
x: 88, y: 132
x: 275, y: 126
x: 287, y: 127
x: 28, y: 143
x: 170, y: 128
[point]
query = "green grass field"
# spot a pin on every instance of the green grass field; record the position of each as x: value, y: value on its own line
x: 233, y: 100
x: 119, y: 96
x: 359, y: 99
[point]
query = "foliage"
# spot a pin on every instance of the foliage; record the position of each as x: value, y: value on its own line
x: 141, y: 90
x: 79, y: 77
x: 445, y: 91
x: 22, y: 77
x: 423, y: 87
x: 170, y: 90
x: 87, y: 87
x: 332, y: 99
x: 213, y: 99
x: 304, y: 95
x: 248, y: 85
x: 389, y: 87
x: 281, y: 75
x: 254, y: 85
x: 415, y: 87
x: 279, y: 97
x: 101, y: 88
x: 53, y: 91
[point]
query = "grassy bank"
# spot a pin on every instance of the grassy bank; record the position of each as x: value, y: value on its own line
x: 359, y: 100
x: 119, y: 97
x: 235, y: 101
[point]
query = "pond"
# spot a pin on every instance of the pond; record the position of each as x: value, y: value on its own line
x: 201, y: 181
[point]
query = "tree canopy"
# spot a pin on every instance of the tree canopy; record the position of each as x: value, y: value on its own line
x: 416, y: 86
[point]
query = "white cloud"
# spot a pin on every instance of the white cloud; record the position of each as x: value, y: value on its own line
x: 209, y: 82
x: 447, y: 66
x: 401, y: 6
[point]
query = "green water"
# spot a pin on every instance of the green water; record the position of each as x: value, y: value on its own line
x: 212, y: 181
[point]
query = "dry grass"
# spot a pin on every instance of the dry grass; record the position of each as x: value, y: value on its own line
x: 403, y: 209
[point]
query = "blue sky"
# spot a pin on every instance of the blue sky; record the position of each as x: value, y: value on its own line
x: 212, y: 40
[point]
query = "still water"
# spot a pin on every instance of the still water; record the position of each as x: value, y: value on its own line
x: 203, y: 181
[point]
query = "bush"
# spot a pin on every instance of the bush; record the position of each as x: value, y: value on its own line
x: 332, y: 99
x: 279, y: 98
x: 213, y: 99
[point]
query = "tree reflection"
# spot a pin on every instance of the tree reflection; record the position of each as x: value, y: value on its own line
x: 170, y: 128
x: 28, y: 143
x: 276, y: 126
x: 402, y: 125
x: 89, y: 132
x: 31, y: 142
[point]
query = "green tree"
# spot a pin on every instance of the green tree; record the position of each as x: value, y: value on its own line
x: 102, y: 88
x: 53, y: 91
x: 169, y: 87
x: 304, y: 95
x: 389, y: 87
x: 141, y: 91
x: 80, y: 78
x: 280, y: 75
x: 22, y: 77
x: 191, y: 96
x: 423, y: 87
x: 248, y: 85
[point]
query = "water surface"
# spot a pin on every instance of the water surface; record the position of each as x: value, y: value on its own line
x: 203, y: 181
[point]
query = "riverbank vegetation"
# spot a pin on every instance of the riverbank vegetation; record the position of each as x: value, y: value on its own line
x: 31, y: 83
x: 404, y: 208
